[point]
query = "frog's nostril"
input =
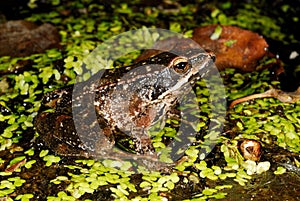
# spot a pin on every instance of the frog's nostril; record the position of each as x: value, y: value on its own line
x: 212, y: 56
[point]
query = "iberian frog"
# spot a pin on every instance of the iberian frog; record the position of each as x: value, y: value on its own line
x: 89, y: 118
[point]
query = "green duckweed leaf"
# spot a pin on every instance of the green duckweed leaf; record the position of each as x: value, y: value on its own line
x: 280, y: 170
x: 263, y: 167
x: 43, y: 153
x: 217, y: 33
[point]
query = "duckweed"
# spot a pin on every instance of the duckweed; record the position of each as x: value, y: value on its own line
x: 25, y: 197
x: 43, y: 153
x: 80, y: 35
x: 8, y: 186
x: 61, y: 196
x: 29, y: 164
x: 279, y: 170
x: 17, y: 159
x: 50, y: 159
x: 211, y: 193
x: 29, y: 152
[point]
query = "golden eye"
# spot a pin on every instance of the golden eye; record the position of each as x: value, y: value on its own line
x: 180, y: 65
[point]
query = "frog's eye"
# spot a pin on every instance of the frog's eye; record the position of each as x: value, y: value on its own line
x: 180, y: 65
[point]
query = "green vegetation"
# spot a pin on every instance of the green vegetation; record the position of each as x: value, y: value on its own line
x: 84, y: 25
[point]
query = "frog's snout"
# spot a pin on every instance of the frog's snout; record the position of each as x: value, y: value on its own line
x: 212, y: 55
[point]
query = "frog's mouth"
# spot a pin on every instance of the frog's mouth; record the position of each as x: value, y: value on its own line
x: 202, y: 69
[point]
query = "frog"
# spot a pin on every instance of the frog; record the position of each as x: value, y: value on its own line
x: 92, y: 118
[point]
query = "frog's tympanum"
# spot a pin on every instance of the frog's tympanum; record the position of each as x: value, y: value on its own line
x: 91, y: 117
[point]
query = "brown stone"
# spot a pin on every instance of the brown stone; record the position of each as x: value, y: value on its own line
x: 244, y: 53
x: 22, y: 38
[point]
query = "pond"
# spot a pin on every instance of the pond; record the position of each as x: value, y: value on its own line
x: 209, y: 149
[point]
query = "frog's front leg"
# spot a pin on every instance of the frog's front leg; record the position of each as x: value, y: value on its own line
x: 143, y: 143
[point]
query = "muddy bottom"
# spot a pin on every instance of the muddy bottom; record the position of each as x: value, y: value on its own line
x: 266, y: 187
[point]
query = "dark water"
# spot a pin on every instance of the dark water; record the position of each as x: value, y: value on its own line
x: 261, y: 187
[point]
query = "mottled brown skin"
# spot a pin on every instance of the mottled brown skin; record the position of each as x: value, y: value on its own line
x: 124, y: 103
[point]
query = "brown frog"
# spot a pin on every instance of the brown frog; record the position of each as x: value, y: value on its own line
x: 91, y: 117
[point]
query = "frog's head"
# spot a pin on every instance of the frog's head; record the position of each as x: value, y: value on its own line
x: 188, y: 67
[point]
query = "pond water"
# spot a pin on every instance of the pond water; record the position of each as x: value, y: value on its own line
x: 30, y: 170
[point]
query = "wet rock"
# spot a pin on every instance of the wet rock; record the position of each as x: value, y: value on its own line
x: 234, y: 47
x: 22, y: 38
